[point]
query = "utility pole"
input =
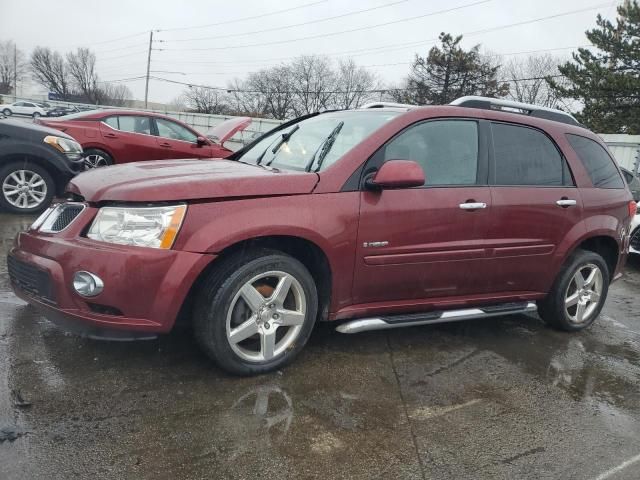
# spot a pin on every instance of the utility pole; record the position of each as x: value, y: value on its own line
x: 146, y: 86
x: 15, y: 72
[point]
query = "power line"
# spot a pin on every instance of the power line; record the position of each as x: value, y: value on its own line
x: 284, y: 27
x: 122, y: 80
x: 227, y: 22
x: 127, y: 47
x: 324, y: 35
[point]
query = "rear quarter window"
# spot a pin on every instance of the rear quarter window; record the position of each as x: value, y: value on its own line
x: 598, y: 163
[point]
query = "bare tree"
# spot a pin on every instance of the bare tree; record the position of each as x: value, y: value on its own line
x: 527, y: 78
x: 313, y: 82
x: 81, y: 66
x: 117, y: 95
x: 49, y: 69
x: 11, y: 67
x: 206, y: 100
x: 354, y: 85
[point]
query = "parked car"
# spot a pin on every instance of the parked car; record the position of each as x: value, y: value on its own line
x: 121, y: 136
x: 35, y: 165
x: 378, y: 218
x: 634, y: 242
x: 222, y: 132
x: 62, y: 111
x: 633, y: 182
x: 31, y: 109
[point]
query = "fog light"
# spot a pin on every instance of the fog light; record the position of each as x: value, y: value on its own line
x: 87, y: 284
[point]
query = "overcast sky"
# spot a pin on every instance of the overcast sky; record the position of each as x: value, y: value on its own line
x: 214, y: 41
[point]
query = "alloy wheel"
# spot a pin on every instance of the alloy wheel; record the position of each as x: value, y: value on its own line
x: 584, y: 293
x: 266, y: 316
x: 24, y: 189
x: 94, y: 160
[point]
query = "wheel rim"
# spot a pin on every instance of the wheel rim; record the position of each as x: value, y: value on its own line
x: 24, y: 189
x: 36, y: 115
x: 266, y: 316
x: 7, y: 112
x: 95, y: 160
x: 584, y: 293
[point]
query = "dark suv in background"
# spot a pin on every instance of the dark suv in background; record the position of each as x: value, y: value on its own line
x: 35, y: 165
x: 376, y: 218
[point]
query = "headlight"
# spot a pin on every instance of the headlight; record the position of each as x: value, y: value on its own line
x: 69, y: 147
x: 155, y: 227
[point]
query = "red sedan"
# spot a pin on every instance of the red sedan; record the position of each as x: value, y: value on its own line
x: 121, y: 136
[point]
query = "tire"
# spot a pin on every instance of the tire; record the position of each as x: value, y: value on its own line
x: 14, y: 176
x: 36, y: 115
x: 7, y: 112
x: 554, y: 309
x: 221, y: 307
x: 96, y: 158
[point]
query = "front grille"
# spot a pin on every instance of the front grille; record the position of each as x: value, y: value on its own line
x: 61, y: 217
x: 67, y: 215
x: 635, y: 239
x: 30, y: 279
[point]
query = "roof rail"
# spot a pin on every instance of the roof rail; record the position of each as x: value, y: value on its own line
x: 537, y: 111
x: 387, y: 105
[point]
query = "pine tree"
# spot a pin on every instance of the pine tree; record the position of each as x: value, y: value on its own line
x: 607, y: 81
x: 449, y: 72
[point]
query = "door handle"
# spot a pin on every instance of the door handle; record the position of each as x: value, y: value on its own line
x: 565, y: 202
x: 473, y: 205
x: 165, y: 144
x: 110, y: 135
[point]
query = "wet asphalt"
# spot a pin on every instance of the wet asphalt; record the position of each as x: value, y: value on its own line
x: 502, y: 398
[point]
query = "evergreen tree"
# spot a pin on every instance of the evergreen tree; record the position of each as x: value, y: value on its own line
x: 607, y: 82
x: 449, y: 72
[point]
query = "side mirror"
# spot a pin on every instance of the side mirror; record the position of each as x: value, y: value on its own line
x: 397, y: 174
x: 201, y: 141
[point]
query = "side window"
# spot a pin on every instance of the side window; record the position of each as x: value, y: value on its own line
x: 597, y: 161
x: 134, y: 124
x: 175, y: 131
x: 112, y: 122
x: 525, y: 156
x: 19, y: 104
x: 447, y: 150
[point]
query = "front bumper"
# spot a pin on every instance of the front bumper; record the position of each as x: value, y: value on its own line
x: 144, y: 288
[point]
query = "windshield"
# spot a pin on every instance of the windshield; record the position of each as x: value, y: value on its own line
x: 318, y: 142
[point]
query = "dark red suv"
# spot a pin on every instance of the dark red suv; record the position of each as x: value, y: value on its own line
x: 374, y: 218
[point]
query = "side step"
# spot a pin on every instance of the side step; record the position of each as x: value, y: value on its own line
x: 410, y: 320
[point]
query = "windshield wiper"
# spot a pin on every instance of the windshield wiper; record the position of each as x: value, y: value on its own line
x: 324, y: 148
x: 284, y: 138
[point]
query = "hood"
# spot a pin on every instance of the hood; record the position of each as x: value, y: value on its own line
x: 227, y: 129
x: 173, y: 180
x: 28, y: 131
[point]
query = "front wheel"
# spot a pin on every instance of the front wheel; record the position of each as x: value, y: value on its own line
x: 255, y: 312
x: 578, y: 294
x: 7, y: 112
x: 26, y: 188
x: 96, y: 158
x: 36, y: 115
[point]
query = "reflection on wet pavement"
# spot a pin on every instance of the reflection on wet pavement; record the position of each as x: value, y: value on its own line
x: 501, y: 398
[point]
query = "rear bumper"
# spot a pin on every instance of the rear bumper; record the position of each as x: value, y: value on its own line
x: 144, y: 288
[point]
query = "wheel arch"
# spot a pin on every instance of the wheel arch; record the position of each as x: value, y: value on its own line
x: 96, y: 146
x: 604, y: 243
x: 302, y: 249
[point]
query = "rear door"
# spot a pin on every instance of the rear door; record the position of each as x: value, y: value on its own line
x: 20, y: 108
x: 129, y: 138
x: 426, y: 242
x: 535, y: 205
x: 177, y: 141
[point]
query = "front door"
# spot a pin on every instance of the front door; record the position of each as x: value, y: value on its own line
x: 427, y: 242
x: 535, y: 205
x: 177, y: 141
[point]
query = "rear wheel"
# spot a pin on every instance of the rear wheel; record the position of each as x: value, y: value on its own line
x: 578, y: 294
x: 26, y: 188
x: 36, y: 115
x: 7, y: 112
x: 96, y: 158
x: 255, y: 312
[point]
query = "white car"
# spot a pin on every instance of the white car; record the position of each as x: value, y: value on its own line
x: 31, y: 109
x: 634, y: 244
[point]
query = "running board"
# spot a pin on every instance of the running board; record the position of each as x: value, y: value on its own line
x: 410, y: 320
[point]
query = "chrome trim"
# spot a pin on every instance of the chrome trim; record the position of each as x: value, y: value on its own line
x: 566, y: 203
x: 366, y: 324
x: 511, y: 104
x: 78, y: 283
